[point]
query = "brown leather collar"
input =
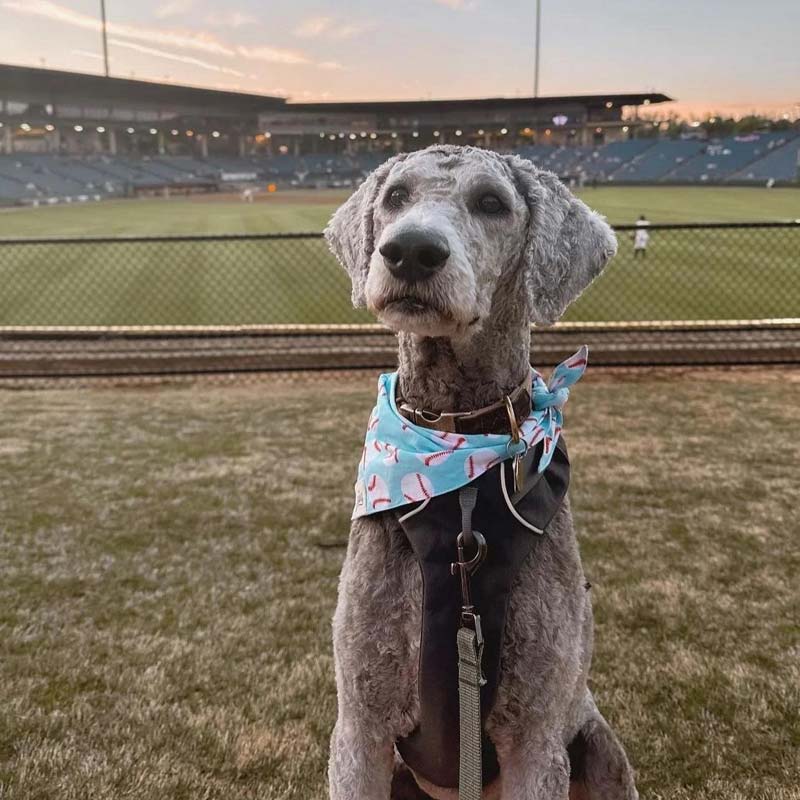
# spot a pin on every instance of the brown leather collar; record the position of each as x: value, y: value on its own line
x: 489, y: 419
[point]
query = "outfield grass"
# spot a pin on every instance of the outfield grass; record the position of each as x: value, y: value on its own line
x: 170, y: 559
x: 688, y: 275
x: 309, y: 211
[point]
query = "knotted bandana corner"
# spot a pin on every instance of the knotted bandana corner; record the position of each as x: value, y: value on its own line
x: 403, y: 463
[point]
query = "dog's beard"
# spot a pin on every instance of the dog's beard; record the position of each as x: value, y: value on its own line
x: 425, y: 309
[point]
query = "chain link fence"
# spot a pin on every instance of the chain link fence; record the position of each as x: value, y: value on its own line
x: 235, y: 295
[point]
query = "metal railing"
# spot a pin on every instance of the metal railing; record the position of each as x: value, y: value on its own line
x: 280, y: 284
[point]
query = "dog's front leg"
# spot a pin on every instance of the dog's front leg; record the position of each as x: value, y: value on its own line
x: 360, y: 766
x: 534, y: 771
x: 376, y: 654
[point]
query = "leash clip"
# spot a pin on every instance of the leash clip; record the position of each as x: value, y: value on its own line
x: 465, y: 568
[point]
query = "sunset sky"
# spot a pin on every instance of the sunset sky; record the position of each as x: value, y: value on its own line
x: 713, y: 56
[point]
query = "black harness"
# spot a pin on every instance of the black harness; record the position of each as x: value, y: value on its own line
x: 507, y: 521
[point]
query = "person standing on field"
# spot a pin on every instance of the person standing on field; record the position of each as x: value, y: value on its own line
x: 641, y: 237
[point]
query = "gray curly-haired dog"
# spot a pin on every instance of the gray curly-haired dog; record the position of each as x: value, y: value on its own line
x: 458, y: 249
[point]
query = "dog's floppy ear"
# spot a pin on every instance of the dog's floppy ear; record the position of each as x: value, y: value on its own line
x: 568, y: 244
x: 350, y: 232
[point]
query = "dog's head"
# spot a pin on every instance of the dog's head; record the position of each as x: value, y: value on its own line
x: 428, y: 236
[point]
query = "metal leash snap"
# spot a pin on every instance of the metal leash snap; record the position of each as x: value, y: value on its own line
x: 466, y: 567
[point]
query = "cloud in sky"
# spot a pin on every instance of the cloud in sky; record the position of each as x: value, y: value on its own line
x: 174, y: 8
x: 230, y: 19
x: 273, y: 55
x: 189, y: 41
x: 182, y: 40
x: 330, y: 28
x: 191, y: 60
x: 456, y: 5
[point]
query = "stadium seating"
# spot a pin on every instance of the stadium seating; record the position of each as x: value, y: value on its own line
x: 656, y: 161
x: 719, y: 160
x: 40, y: 178
x: 781, y: 163
x: 603, y: 161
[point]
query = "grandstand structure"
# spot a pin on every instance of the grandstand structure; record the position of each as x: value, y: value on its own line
x: 70, y: 137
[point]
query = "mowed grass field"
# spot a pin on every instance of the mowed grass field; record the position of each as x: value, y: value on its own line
x: 727, y: 274
x: 170, y: 558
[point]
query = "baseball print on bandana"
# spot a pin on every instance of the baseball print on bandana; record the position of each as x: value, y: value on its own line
x: 404, y: 463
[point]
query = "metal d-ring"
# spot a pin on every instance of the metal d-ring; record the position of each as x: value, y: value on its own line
x: 512, y: 420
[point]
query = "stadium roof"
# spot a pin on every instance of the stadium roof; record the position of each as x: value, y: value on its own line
x: 486, y: 104
x: 43, y: 84
x: 46, y: 83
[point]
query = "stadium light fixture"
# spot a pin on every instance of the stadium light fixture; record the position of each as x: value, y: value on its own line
x: 609, y: 104
x: 547, y: 132
x: 394, y: 134
x: 153, y: 131
x: 598, y: 130
x: 1, y: 124
x: 215, y: 134
x: 174, y: 131
x: 480, y: 131
x: 100, y: 129
x: 268, y: 134
x: 341, y: 135
x: 373, y: 136
x: 352, y: 136
x: 625, y: 128
x: 322, y: 134
x: 458, y: 132
x: 363, y: 134
x: 503, y: 131
x: 646, y: 101
x: 49, y: 128
x: 332, y: 137
x: 415, y: 134
x: 25, y: 127
x: 436, y: 134
x: 77, y: 128
x: 190, y: 133
x: 131, y: 130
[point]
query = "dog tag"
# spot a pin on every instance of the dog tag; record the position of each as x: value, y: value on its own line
x: 518, y: 472
x: 516, y: 464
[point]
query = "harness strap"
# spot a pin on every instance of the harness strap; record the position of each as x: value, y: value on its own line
x: 470, y: 769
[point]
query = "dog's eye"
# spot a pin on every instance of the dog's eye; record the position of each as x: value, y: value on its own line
x: 398, y: 197
x: 491, y: 204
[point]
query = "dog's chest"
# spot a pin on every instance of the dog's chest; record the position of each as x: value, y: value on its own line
x: 512, y: 525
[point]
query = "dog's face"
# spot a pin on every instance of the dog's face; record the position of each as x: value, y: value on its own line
x: 428, y: 237
x: 445, y: 226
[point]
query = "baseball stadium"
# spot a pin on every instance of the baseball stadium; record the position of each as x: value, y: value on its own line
x: 187, y: 370
x: 93, y: 156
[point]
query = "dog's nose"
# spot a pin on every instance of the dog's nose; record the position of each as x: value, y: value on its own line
x: 415, y: 255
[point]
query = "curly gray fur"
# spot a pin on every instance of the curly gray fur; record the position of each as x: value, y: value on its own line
x: 466, y: 349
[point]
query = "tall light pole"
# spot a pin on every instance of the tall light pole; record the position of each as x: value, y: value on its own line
x: 538, y: 44
x: 105, y: 34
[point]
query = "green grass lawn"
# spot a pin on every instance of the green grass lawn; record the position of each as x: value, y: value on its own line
x: 170, y: 558
x: 309, y: 211
x: 688, y: 275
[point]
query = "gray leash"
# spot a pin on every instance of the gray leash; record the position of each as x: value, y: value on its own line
x: 470, y: 652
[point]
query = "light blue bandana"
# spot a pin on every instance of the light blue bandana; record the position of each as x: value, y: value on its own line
x: 404, y: 463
